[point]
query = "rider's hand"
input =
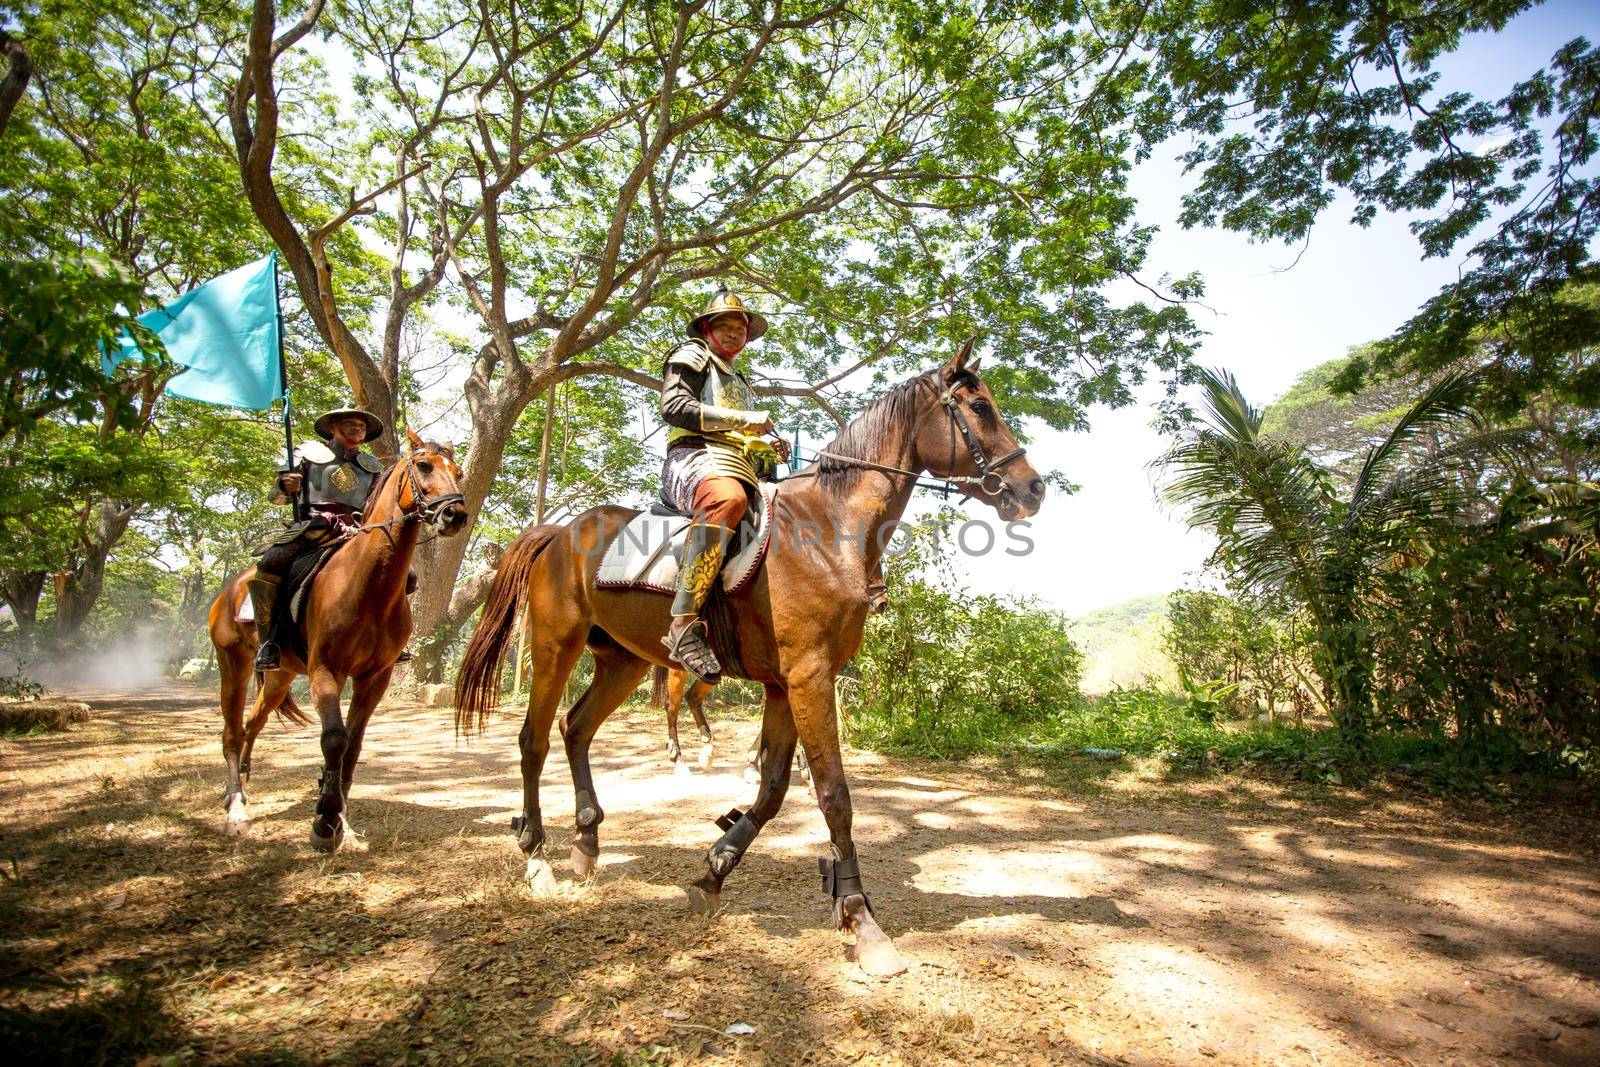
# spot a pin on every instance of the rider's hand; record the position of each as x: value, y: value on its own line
x: 763, y: 424
x: 780, y: 446
x: 290, y: 483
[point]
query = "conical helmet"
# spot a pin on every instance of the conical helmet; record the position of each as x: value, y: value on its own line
x: 324, y: 425
x: 726, y: 302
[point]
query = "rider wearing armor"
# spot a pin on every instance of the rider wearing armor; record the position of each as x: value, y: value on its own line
x: 716, y: 454
x: 336, y: 478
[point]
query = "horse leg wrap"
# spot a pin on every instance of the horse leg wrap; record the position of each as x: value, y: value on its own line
x: 524, y: 828
x: 738, y: 830
x: 589, y: 813
x: 840, y: 879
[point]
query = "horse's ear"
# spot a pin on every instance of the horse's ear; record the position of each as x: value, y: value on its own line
x: 448, y: 449
x: 958, y: 362
x: 411, y: 436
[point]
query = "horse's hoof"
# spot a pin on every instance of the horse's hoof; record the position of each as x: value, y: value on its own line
x: 681, y: 768
x: 329, y: 843
x: 703, y: 902
x: 582, y: 863
x: 672, y: 752
x: 540, y: 878
x: 875, y: 953
x: 706, y: 752
x: 238, y: 824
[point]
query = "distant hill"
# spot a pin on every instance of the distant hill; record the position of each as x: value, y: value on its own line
x: 1122, y: 644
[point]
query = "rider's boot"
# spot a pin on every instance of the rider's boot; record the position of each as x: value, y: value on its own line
x: 703, y: 548
x: 263, y: 599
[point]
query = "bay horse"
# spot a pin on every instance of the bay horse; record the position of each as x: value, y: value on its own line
x: 670, y: 689
x: 357, y: 621
x: 796, y: 624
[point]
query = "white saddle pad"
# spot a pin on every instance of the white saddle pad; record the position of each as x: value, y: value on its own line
x: 647, y: 552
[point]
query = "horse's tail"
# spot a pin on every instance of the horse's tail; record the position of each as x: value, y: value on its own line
x: 658, y: 688
x: 478, y: 682
x: 289, y: 711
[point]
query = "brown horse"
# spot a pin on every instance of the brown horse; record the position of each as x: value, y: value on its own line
x: 670, y: 689
x: 796, y: 624
x: 357, y: 621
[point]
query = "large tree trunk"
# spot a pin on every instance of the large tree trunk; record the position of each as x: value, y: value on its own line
x: 19, y: 68
x: 21, y: 591
x: 78, y: 589
x: 468, y: 597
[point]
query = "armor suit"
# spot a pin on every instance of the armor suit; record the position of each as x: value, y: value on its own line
x: 335, y: 482
x: 715, y: 456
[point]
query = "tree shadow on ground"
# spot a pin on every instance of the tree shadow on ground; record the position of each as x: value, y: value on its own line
x: 1039, y: 923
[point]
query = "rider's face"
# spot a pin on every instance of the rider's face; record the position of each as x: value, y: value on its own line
x: 350, y: 431
x: 729, y: 331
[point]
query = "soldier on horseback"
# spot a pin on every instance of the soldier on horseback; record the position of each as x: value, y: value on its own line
x: 716, y: 454
x: 336, y: 478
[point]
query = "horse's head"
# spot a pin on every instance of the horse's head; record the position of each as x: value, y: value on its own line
x: 430, y: 485
x: 962, y: 437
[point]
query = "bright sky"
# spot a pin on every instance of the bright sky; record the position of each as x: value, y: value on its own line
x: 1112, y: 541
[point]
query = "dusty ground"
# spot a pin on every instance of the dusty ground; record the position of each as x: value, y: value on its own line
x: 1110, y: 914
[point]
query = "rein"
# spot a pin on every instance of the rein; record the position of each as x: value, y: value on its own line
x: 987, y: 469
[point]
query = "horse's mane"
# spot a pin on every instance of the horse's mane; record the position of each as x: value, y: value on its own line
x: 864, y: 438
x: 377, y: 487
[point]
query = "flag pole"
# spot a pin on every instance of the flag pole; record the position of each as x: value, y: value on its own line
x: 283, y: 381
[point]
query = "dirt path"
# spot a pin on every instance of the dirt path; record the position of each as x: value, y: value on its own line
x: 1111, y: 915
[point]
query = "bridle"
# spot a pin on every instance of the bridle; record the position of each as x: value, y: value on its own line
x: 428, y: 508
x: 988, y: 469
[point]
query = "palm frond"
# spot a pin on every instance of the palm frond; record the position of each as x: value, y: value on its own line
x: 1229, y: 413
x: 1450, y: 399
x: 1266, y: 502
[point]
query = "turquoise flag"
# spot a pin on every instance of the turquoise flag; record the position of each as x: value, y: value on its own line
x: 225, y: 334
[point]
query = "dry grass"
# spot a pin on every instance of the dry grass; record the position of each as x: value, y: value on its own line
x: 1126, y: 917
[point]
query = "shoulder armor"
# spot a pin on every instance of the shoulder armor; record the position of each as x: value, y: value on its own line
x: 691, y: 354
x: 314, y: 452
x: 369, y: 462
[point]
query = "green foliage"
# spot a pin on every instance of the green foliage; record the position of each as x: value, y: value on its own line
x: 1344, y: 99
x: 57, y: 313
x: 1236, y: 651
x: 1284, y: 534
x: 1493, y: 638
x: 945, y: 671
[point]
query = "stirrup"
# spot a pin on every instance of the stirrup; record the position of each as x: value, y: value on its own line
x: 692, y: 652
x: 267, y: 656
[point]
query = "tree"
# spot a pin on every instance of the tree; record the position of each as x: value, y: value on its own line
x: 1282, y: 531
x: 887, y: 177
x: 1336, y: 425
x: 116, y: 193
x: 1294, y: 103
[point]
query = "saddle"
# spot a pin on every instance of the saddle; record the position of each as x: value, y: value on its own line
x: 293, y: 593
x: 647, y: 553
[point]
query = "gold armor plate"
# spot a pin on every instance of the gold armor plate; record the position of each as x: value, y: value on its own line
x: 343, y: 477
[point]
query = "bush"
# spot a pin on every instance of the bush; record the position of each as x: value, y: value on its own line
x: 1493, y: 640
x: 947, y: 673
x: 1257, y: 654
